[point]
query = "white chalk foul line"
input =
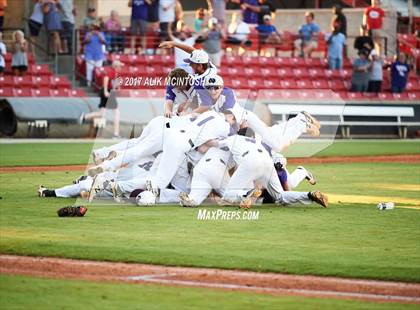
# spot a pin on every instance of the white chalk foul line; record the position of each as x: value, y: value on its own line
x: 155, y: 279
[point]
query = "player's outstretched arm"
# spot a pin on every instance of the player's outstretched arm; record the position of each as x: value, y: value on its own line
x: 171, y: 44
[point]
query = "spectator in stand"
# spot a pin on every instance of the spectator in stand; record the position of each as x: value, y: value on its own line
x: 340, y: 21
x: 363, y: 42
x: 263, y: 8
x: 3, y: 52
x: 200, y: 20
x: 113, y: 36
x: 35, y: 22
x: 249, y: 15
x: 213, y: 42
x: 399, y: 73
x: 3, y: 5
x: 268, y: 32
x: 153, y: 14
x: 94, y: 52
x: 373, y: 19
x: 217, y: 9
x: 238, y: 33
x: 67, y: 22
x: 360, y: 76
x: 108, y: 98
x: 308, y: 36
x: 166, y: 17
x: 52, y: 21
x: 139, y: 17
x: 376, y: 73
x: 90, y: 19
x: 179, y: 16
x: 180, y: 54
x: 19, y: 56
x: 335, y: 41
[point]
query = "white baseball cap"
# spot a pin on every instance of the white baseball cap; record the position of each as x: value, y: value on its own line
x: 373, y: 53
x: 198, y: 57
x: 213, y: 80
x: 213, y: 21
x: 145, y: 198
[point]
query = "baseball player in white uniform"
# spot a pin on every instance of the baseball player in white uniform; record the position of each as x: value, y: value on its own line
x: 179, y: 141
x: 255, y: 164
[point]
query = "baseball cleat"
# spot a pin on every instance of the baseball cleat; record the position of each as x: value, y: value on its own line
x: 312, y: 130
x: 79, y: 179
x: 250, y: 198
x: 97, y: 186
x: 117, y: 192
x: 111, y: 155
x: 309, y: 176
x: 150, y: 188
x: 96, y: 159
x: 41, y: 191
x: 319, y: 198
x: 95, y: 170
x: 311, y: 120
x: 186, y: 201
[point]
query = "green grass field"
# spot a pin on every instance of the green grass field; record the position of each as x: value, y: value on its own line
x: 349, y: 239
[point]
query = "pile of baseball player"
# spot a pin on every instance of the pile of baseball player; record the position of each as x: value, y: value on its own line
x: 205, y: 148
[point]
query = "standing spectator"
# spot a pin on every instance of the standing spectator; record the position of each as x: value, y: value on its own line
x: 217, y: 9
x: 19, y: 50
x: 373, y: 19
x: 180, y: 54
x: 213, y: 42
x: 94, y: 52
x: 108, y: 98
x: 376, y: 73
x: 114, y: 38
x: 399, y: 73
x: 363, y: 41
x: 138, y: 22
x: 3, y: 5
x: 179, y: 16
x: 335, y: 41
x: 238, y: 33
x: 3, y: 52
x: 263, y: 8
x: 340, y: 21
x: 360, y: 76
x: 35, y: 22
x: 268, y: 32
x: 52, y: 21
x: 308, y: 36
x: 90, y: 19
x: 67, y: 22
x: 153, y: 14
x: 200, y: 20
x: 166, y: 16
x: 249, y: 15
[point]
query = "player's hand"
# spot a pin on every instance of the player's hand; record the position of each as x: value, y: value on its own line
x: 167, y: 44
x: 106, y: 93
x: 168, y: 114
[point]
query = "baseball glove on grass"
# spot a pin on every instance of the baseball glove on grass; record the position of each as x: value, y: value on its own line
x: 72, y: 211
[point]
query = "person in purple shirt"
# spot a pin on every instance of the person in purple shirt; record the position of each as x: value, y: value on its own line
x: 248, y: 15
x: 399, y: 74
x: 215, y: 96
x: 139, y: 16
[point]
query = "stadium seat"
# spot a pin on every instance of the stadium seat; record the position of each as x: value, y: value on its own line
x: 40, y: 70
x: 250, y: 61
x: 6, y: 81
x: 79, y: 93
x: 252, y: 71
x: 232, y: 61
x: 41, y: 81
x: 239, y: 82
x: 22, y: 81
x: 22, y: 92
x: 415, y: 96
x: 271, y: 83
x: 337, y: 85
x: 268, y: 72
x: 60, y: 81
x: 236, y: 71
x: 59, y: 93
x: 354, y: 96
x: 288, y: 84
x: 316, y: 73
x: 154, y: 59
x: 304, y: 84
x: 285, y: 73
x: 282, y: 62
x: 320, y: 84
x: 323, y: 94
x: 255, y: 82
x: 266, y: 61
x: 41, y: 92
x: 297, y: 62
x: 6, y: 92
x: 301, y: 73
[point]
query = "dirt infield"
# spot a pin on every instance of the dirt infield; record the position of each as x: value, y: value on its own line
x: 269, y: 283
x: 297, y: 160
